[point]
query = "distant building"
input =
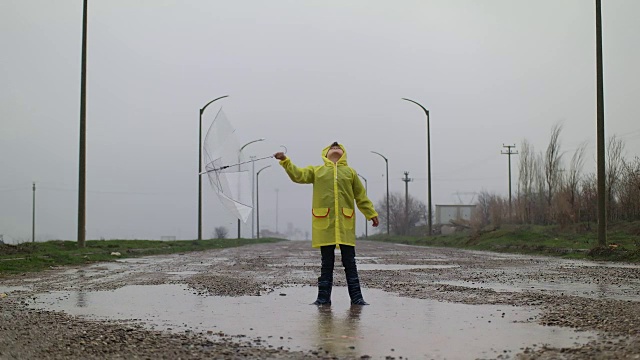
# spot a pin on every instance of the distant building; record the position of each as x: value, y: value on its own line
x: 446, y: 213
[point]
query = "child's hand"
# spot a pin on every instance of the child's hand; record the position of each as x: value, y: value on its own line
x: 375, y: 221
x: 280, y: 156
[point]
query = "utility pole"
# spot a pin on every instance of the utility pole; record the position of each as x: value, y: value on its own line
x: 602, y: 210
x: 406, y: 199
x: 33, y: 215
x: 82, y: 160
x: 509, y: 153
x: 253, y: 188
x: 258, y: 200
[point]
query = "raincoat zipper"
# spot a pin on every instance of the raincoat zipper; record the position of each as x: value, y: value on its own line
x: 335, y: 196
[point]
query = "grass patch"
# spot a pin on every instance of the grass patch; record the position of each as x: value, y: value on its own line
x: 577, y: 242
x: 30, y: 257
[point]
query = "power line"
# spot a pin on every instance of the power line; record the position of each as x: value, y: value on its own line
x: 22, y: 188
x: 103, y: 191
x: 459, y: 179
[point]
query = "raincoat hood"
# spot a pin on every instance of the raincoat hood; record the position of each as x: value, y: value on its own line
x: 343, y: 158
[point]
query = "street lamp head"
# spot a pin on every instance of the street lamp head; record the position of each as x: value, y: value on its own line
x: 209, y: 103
x: 417, y: 103
x: 251, y: 142
x: 377, y: 153
x: 258, y: 173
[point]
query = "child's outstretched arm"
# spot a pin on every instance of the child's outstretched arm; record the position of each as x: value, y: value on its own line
x: 298, y: 175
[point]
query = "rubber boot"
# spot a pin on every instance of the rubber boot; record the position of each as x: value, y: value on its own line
x: 353, y: 282
x: 324, y: 292
x: 353, y: 285
x: 325, y: 281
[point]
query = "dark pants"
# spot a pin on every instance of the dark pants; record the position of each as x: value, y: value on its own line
x: 325, y: 281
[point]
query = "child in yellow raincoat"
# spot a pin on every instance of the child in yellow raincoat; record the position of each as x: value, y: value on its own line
x: 336, y: 187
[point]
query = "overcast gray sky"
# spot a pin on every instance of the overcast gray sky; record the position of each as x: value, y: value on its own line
x: 299, y: 73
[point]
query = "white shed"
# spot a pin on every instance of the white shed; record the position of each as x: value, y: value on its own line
x: 445, y: 213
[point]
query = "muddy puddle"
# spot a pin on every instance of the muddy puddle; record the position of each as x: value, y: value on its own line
x: 391, y: 326
x: 9, y: 289
x: 592, y: 290
x: 582, y: 263
x: 182, y: 272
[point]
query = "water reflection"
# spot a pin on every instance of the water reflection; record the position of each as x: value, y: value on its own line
x: 81, y: 299
x: 339, y: 335
x: 603, y: 290
x: 81, y: 295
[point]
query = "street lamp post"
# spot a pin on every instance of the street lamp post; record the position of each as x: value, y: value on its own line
x: 429, y: 220
x: 366, y: 225
x: 253, y: 187
x: 200, y: 167
x: 33, y: 215
x: 239, y: 153
x: 258, y: 201
x: 386, y: 161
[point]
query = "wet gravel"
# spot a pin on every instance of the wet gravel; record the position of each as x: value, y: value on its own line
x: 36, y: 334
x: 600, y: 297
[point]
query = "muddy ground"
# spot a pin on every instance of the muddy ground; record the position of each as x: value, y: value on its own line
x: 598, y: 298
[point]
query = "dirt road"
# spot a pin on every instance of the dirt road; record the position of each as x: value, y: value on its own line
x: 253, y: 302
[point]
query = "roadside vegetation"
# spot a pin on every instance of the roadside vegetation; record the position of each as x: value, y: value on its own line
x: 553, y: 208
x: 38, y: 256
x: 576, y: 243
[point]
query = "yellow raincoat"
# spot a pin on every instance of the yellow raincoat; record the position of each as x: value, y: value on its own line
x: 335, y: 189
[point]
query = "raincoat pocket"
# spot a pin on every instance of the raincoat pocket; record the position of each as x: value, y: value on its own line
x: 320, y: 218
x: 348, y: 218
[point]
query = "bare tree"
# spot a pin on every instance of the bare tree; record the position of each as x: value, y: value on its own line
x: 614, y: 168
x: 483, y: 209
x: 540, y: 210
x: 498, y: 209
x: 526, y: 176
x: 552, y: 158
x: 629, y: 190
x: 573, y: 178
x: 589, y: 198
x: 548, y: 194
x: 490, y: 209
x: 398, y: 222
x: 562, y: 212
x: 220, y: 232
